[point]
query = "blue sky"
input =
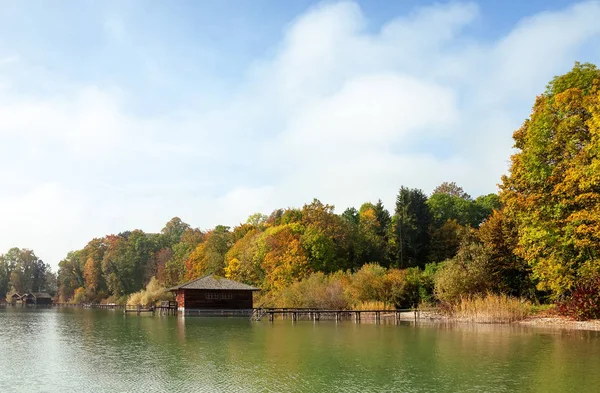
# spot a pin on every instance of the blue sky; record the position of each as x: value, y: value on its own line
x: 119, y: 115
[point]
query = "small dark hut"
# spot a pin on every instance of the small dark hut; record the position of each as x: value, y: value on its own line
x: 42, y: 299
x: 15, y: 298
x: 28, y: 299
x: 213, y: 293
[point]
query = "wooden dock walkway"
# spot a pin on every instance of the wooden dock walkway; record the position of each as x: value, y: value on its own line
x: 338, y: 315
x: 165, y: 308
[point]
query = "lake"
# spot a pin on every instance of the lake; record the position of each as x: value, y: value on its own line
x: 80, y: 350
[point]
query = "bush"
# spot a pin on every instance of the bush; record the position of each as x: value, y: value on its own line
x: 149, y: 296
x: 464, y: 275
x: 316, y: 291
x: 401, y: 287
x: 79, y: 296
x: 584, y: 301
x: 368, y: 283
x: 492, y: 309
x: 427, y: 283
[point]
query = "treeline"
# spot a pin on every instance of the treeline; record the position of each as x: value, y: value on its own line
x: 539, y: 238
x: 276, y: 251
x: 22, y: 271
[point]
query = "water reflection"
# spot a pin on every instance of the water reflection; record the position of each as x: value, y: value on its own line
x: 105, y: 351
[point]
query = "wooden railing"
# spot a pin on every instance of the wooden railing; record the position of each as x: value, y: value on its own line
x: 338, y: 315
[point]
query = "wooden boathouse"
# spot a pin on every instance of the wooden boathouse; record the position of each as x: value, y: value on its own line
x: 32, y: 299
x: 214, y: 295
x: 15, y: 298
x: 42, y: 299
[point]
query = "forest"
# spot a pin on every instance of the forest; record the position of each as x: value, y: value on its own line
x: 537, y: 239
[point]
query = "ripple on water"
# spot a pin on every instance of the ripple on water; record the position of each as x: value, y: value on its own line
x: 72, y: 350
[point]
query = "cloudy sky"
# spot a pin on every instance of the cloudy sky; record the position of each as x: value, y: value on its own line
x: 119, y: 115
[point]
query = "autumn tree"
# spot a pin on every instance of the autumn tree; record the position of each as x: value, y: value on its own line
x: 243, y: 262
x: 553, y: 190
x: 285, y: 260
x: 451, y: 189
x: 93, y: 253
x: 22, y: 271
x: 174, y: 230
x: 173, y: 270
x: 70, y: 275
x: 209, y: 256
x: 325, y: 237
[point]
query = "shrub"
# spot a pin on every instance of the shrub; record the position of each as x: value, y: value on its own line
x: 401, y: 287
x: 584, y: 301
x: 464, y: 275
x: 149, y: 296
x: 368, y: 283
x: 491, y: 308
x: 316, y: 291
x: 79, y: 296
x: 427, y: 283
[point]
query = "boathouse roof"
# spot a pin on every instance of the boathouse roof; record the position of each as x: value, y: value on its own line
x: 212, y: 282
x: 42, y: 295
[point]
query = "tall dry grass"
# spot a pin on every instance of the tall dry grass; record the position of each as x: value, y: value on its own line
x: 492, y: 308
x: 153, y: 293
x: 373, y: 305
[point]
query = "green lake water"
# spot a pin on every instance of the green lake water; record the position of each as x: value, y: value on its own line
x: 76, y: 350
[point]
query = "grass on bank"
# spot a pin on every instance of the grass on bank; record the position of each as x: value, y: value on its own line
x: 492, y: 308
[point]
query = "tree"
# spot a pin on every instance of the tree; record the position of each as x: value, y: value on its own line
x: 93, y: 253
x: 451, y: 189
x: 242, y: 262
x: 509, y: 273
x: 175, y: 267
x: 450, y: 202
x: 445, y: 207
x: 257, y: 220
x: 351, y: 215
x: 23, y: 270
x: 209, y: 256
x: 410, y: 228
x: 70, y: 275
x: 325, y: 237
x: 446, y: 240
x: 553, y: 190
x: 285, y: 260
x: 173, y: 230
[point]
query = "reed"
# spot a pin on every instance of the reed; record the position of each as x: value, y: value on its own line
x: 491, y: 308
x: 373, y: 305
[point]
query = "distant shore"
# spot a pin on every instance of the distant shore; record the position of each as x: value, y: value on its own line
x: 536, y: 321
x: 558, y: 322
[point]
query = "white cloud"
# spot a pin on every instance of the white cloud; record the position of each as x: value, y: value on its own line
x: 342, y: 112
x: 8, y: 60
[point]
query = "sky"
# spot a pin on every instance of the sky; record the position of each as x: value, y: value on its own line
x: 119, y: 115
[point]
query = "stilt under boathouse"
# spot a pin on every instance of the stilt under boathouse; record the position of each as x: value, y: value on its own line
x: 214, y: 296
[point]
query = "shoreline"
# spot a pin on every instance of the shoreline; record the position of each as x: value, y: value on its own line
x: 557, y: 322
x: 534, y: 321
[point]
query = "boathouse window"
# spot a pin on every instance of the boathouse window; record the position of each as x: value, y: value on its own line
x: 219, y: 296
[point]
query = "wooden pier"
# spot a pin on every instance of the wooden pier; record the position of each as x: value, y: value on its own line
x: 165, y: 308
x: 295, y: 314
